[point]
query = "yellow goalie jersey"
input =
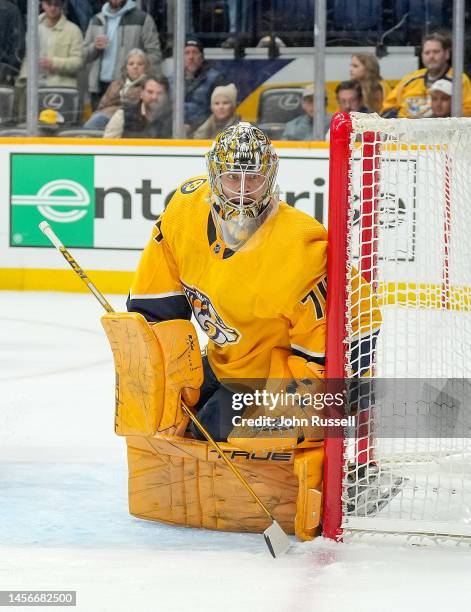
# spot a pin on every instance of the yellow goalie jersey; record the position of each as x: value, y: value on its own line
x: 271, y: 294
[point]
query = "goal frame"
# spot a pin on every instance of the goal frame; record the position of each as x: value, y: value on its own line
x: 339, y: 192
x: 339, y: 198
x: 338, y: 269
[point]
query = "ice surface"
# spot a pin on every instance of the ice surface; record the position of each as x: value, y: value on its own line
x: 64, y: 522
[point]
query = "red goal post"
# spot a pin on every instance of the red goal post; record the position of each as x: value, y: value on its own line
x: 339, y: 196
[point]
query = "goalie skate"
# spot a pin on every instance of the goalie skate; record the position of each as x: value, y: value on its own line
x: 370, y: 489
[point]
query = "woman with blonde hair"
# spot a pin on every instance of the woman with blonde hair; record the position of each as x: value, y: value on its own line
x: 122, y: 91
x: 223, y: 105
x: 364, y: 68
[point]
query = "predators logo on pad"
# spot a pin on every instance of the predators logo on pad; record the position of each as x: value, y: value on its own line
x: 191, y: 186
x: 211, y: 323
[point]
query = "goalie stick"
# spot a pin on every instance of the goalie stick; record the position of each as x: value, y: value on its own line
x: 276, y: 539
x: 49, y: 233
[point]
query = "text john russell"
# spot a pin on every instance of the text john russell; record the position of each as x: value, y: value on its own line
x: 315, y: 420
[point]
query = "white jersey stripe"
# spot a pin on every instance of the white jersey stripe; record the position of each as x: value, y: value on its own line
x: 154, y: 296
x: 296, y: 347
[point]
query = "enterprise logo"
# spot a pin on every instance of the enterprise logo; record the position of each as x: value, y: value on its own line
x: 47, y: 197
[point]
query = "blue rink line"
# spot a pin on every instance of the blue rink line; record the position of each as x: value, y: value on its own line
x: 86, y: 505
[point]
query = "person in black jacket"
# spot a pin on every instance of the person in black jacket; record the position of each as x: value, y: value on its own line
x: 200, y: 81
x: 150, y: 117
x: 12, y: 41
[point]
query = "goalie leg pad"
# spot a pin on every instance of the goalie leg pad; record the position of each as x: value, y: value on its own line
x: 153, y: 363
x: 308, y: 466
x: 184, y: 482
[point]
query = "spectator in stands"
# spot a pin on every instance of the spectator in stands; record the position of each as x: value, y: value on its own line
x: 150, y: 117
x: 122, y: 91
x: 349, y: 97
x: 60, y: 48
x: 364, y: 68
x: 410, y: 97
x: 12, y: 38
x: 111, y: 34
x: 166, y: 14
x: 241, y: 22
x: 301, y: 128
x: 60, y: 53
x: 80, y: 12
x: 440, y: 95
x: 200, y: 82
x: 223, y: 105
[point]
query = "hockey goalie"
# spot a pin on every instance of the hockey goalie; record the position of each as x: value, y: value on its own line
x: 252, y: 271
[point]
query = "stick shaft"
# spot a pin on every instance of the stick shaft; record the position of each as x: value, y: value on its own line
x: 49, y: 233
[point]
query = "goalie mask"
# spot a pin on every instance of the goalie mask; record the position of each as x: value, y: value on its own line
x: 242, y: 167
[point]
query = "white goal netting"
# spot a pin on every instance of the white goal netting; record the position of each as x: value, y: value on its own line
x: 407, y: 465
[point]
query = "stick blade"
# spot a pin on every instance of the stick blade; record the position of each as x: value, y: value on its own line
x: 276, y: 540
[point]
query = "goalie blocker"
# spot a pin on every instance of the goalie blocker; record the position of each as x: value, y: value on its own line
x: 179, y: 480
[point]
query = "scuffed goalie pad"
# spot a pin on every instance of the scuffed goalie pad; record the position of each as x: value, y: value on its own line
x: 184, y: 482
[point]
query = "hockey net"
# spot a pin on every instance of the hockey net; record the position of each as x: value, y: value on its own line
x: 400, y: 217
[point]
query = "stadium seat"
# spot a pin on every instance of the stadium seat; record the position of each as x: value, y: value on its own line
x: 64, y: 100
x: 7, y: 98
x: 80, y: 133
x: 13, y: 132
x: 277, y: 106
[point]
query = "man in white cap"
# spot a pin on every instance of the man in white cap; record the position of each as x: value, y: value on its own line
x: 440, y: 95
x: 301, y: 128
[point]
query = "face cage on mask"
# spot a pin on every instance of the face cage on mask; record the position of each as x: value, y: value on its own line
x: 237, y: 231
x: 238, y: 221
x: 241, y: 200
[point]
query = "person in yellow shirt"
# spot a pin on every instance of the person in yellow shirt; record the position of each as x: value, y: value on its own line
x: 411, y: 96
x: 250, y: 268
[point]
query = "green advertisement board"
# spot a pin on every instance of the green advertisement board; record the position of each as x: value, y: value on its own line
x: 55, y: 188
